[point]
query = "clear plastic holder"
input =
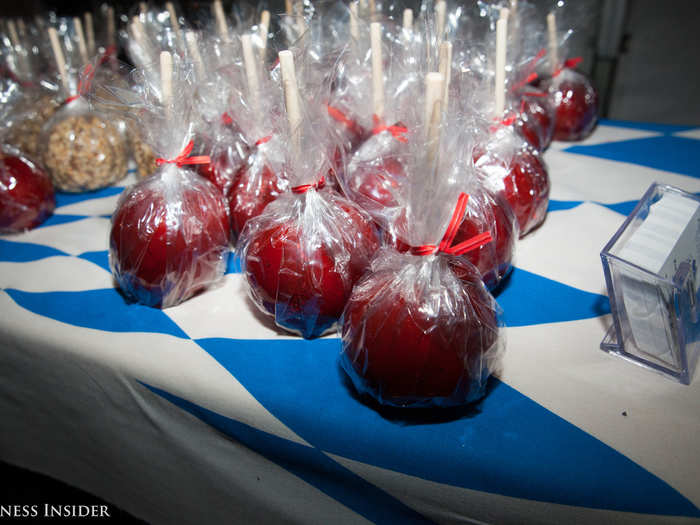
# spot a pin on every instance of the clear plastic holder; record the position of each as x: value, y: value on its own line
x: 650, y: 267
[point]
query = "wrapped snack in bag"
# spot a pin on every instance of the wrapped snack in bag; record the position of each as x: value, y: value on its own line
x: 572, y: 94
x: 80, y: 149
x: 303, y: 254
x: 170, y: 235
x: 420, y: 329
x: 26, y: 194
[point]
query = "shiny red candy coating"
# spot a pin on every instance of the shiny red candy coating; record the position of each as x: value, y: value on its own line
x: 576, y: 102
x: 169, y: 240
x: 252, y: 190
x: 26, y: 194
x: 305, y: 287
x: 401, y: 347
x: 536, y: 120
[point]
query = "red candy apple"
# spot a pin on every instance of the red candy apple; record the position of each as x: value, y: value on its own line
x: 523, y: 181
x: 420, y: 332
x: 536, y: 119
x: 489, y: 212
x: 26, y: 194
x: 302, y: 273
x: 378, y: 181
x: 170, y: 237
x: 576, y: 103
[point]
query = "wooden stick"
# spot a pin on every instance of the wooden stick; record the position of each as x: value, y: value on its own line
x: 90, y: 33
x: 408, y: 20
x: 22, y: 27
x: 111, y: 26
x: 81, y: 39
x: 288, y: 7
x: 251, y: 72
x: 500, y: 87
x: 377, y: 69
x: 59, y: 58
x: 440, y: 16
x: 264, y: 30
x: 291, y: 98
x: 222, y: 26
x: 176, y: 23
x: 143, y: 8
x: 553, y: 42
x: 14, y: 36
x: 372, y: 10
x: 354, y: 31
x: 504, y: 12
x: 433, y: 113
x: 166, y: 82
x: 300, y: 22
x: 193, y: 47
x: 445, y: 68
x: 140, y: 38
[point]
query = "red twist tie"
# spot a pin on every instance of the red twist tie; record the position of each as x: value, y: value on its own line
x: 306, y: 187
x: 531, y: 75
x: 83, y: 84
x: 445, y: 245
x: 568, y: 64
x: 184, y: 158
x: 226, y: 119
x: 396, y: 130
x: 535, y: 94
x: 263, y: 140
x: 109, y: 53
x: 341, y: 117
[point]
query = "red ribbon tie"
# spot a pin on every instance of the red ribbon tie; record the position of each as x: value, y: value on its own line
x: 397, y: 131
x: 184, y: 157
x: 306, y: 187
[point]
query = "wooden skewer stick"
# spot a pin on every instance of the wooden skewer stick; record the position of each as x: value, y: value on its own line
x: 553, y: 42
x: 433, y: 113
x: 500, y: 87
x: 291, y: 98
x: 22, y: 27
x: 440, y: 16
x: 14, y: 36
x: 142, y: 8
x: 59, y: 58
x: 445, y: 68
x: 377, y: 69
x: 140, y: 38
x: 354, y: 31
x: 174, y: 20
x: 299, y: 15
x: 221, y: 25
x: 111, y: 26
x: 372, y: 10
x: 408, y: 20
x: 251, y: 72
x: 288, y: 7
x: 193, y: 48
x: 81, y: 39
x: 264, y: 30
x: 166, y: 82
x: 90, y: 33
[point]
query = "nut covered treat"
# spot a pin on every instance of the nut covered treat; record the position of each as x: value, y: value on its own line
x: 24, y: 133
x: 84, y: 153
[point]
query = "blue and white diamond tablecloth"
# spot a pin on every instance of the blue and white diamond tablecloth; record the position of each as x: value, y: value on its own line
x: 205, y: 413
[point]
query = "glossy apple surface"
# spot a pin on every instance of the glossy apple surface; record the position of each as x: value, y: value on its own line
x: 304, y: 279
x: 26, y: 194
x: 576, y: 103
x: 536, y: 120
x: 421, y: 334
x: 170, y: 238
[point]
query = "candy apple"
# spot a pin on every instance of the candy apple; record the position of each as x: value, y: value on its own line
x: 26, y: 194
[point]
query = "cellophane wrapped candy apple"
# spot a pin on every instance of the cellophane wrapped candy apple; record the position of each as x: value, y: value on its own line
x: 303, y: 254
x: 170, y: 235
x: 576, y: 103
x: 420, y: 329
x: 26, y: 193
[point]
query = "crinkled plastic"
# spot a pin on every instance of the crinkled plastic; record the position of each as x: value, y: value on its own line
x: 82, y: 150
x: 576, y: 105
x: 518, y: 172
x: 420, y: 331
x: 26, y: 194
x: 169, y: 238
x: 536, y: 119
x: 170, y: 235
x: 302, y: 256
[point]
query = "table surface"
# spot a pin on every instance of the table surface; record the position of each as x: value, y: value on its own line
x: 205, y: 412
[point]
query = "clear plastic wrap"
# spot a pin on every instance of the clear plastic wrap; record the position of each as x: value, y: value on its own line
x: 509, y: 167
x: 26, y: 193
x: 170, y: 235
x: 420, y: 331
x: 303, y: 254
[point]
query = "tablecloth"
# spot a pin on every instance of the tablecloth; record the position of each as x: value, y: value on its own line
x: 206, y: 413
